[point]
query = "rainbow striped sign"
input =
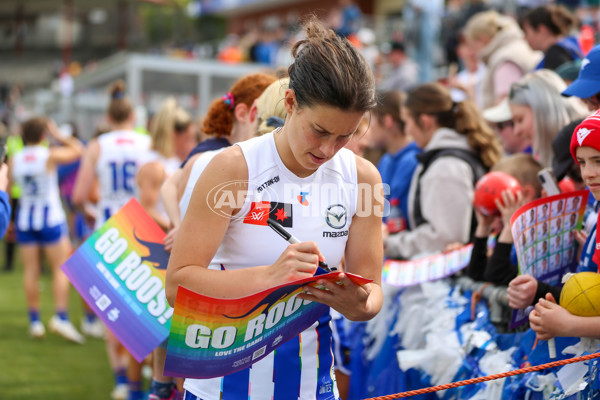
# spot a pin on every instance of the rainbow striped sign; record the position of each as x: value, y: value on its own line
x: 216, y: 337
x: 120, y: 272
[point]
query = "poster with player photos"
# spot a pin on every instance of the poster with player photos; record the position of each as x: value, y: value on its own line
x: 544, y: 237
x: 431, y: 268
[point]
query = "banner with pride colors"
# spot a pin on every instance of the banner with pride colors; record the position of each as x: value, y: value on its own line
x: 426, y: 269
x: 216, y: 337
x: 120, y: 272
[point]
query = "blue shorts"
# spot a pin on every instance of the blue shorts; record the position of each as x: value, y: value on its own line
x: 48, y: 235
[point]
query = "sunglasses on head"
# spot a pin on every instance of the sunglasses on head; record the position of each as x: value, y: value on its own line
x: 514, y: 88
x: 505, y: 124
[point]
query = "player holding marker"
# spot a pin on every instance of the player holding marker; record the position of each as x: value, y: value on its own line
x: 228, y: 256
x: 291, y: 239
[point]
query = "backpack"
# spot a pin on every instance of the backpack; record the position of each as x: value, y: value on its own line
x: 426, y: 159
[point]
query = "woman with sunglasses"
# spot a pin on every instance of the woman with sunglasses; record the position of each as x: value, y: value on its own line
x: 500, y: 118
x: 539, y: 110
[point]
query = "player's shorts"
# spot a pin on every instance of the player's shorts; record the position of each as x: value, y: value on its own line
x: 47, y: 235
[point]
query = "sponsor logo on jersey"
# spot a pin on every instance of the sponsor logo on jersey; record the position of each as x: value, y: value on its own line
x: 260, y: 211
x: 268, y: 183
x: 335, y: 234
x: 302, y: 198
x: 336, y: 216
x: 30, y: 157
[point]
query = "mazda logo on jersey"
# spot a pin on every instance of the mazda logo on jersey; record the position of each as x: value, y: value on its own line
x: 260, y: 211
x: 336, y: 216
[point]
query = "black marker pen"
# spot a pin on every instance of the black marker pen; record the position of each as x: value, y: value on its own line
x: 276, y: 226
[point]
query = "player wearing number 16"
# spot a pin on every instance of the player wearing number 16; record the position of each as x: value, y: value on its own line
x: 41, y: 221
x: 113, y: 159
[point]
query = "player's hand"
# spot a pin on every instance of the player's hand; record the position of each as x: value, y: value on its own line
x: 548, y: 319
x: 170, y: 239
x: 298, y: 261
x: 90, y: 214
x: 53, y: 130
x: 521, y: 291
x: 341, y: 294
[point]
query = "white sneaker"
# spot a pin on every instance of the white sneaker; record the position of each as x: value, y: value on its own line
x: 37, y: 330
x: 120, y: 392
x: 93, y: 329
x: 66, y: 330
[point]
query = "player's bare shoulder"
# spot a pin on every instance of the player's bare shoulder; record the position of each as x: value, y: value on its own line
x: 366, y: 172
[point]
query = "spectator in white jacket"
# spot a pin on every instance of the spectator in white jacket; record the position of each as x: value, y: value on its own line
x: 458, y: 148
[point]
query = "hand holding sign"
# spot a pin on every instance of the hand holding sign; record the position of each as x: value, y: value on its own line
x: 214, y: 337
x: 341, y: 294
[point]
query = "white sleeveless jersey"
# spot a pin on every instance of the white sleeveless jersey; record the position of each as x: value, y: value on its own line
x: 121, y: 154
x: 317, y: 208
x: 199, y: 166
x: 40, y: 206
x: 170, y: 165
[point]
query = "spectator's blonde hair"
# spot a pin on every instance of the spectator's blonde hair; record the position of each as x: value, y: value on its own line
x: 524, y: 168
x: 486, y: 24
x: 270, y: 104
x: 170, y: 120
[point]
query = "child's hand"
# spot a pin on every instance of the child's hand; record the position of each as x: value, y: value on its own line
x: 521, y: 291
x: 509, y: 204
x: 484, y: 224
x: 548, y: 319
x: 581, y: 237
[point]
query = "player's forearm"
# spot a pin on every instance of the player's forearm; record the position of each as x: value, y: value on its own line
x: 215, y: 283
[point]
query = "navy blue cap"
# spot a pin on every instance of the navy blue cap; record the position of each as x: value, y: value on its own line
x: 587, y: 83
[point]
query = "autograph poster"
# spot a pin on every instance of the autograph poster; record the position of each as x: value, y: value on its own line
x: 408, y: 273
x: 120, y: 272
x: 544, y: 237
x: 213, y: 337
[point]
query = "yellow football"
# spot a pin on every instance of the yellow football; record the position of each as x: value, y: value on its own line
x: 581, y: 294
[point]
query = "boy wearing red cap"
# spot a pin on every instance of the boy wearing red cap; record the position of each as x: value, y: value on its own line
x: 548, y: 319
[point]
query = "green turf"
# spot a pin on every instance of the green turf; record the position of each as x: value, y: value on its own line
x: 51, y: 368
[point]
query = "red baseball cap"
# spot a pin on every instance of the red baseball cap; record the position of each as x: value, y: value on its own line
x: 587, y: 134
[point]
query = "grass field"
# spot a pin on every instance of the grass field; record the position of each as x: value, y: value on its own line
x: 50, y: 369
